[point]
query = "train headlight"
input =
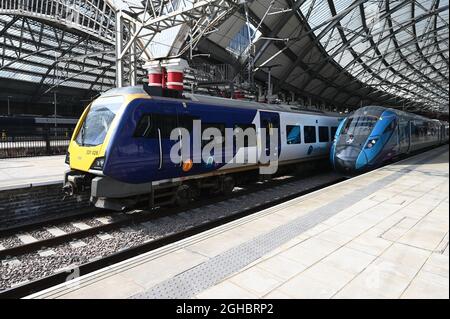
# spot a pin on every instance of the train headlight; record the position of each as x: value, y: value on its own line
x: 371, y: 142
x: 98, y: 163
x: 67, y: 160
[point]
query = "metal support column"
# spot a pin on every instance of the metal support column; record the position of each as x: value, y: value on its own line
x: 119, y: 45
x: 133, y: 66
x: 9, y: 106
x: 55, y: 110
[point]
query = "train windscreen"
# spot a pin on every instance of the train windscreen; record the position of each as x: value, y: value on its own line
x: 359, y: 125
x: 98, y: 121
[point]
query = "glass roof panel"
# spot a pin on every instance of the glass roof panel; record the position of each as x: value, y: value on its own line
x: 388, y: 46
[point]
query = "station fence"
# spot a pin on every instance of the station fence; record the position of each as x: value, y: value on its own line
x: 29, y: 145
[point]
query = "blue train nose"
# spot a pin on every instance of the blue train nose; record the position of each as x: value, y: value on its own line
x: 344, y: 165
x: 349, y: 159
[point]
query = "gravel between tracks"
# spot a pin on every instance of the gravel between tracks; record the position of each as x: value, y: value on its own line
x: 33, y: 266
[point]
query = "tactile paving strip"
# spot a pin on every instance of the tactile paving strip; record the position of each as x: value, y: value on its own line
x: 212, y: 271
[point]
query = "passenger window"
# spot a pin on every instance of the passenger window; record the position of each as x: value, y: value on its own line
x: 166, y: 124
x: 293, y: 135
x: 144, y: 126
x: 390, y: 127
x: 323, y: 134
x: 416, y: 129
x: 333, y: 131
x: 150, y: 123
x: 310, y: 134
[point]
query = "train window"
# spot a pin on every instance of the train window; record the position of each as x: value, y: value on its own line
x: 98, y: 120
x: 359, y: 125
x: 166, y: 124
x: 310, y: 134
x: 249, y: 138
x: 186, y: 122
x: 390, y: 127
x: 293, y: 134
x: 144, y: 126
x: 150, y: 123
x: 419, y: 129
x: 333, y: 131
x: 414, y: 130
x: 323, y: 134
x: 346, y: 126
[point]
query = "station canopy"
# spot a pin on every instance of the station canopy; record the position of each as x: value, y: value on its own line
x: 353, y: 53
x: 344, y: 52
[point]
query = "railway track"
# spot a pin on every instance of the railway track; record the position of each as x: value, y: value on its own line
x: 149, y: 230
x: 42, y: 222
x: 108, y: 221
x: 25, y: 242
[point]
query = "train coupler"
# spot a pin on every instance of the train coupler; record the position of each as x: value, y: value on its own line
x: 75, y: 183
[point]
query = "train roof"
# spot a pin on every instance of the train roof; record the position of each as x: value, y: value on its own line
x: 206, y: 99
x: 396, y: 111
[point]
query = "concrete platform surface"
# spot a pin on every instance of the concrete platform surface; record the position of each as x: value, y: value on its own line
x: 31, y: 171
x: 383, y: 234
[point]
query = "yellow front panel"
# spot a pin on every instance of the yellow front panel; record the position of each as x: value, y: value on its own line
x: 82, y: 157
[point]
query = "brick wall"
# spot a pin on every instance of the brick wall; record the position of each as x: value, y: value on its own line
x: 25, y: 205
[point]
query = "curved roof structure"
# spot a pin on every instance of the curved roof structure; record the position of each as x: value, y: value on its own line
x: 38, y: 52
x: 73, y: 43
x: 350, y: 52
x: 344, y: 52
x: 399, y: 47
x: 48, y: 44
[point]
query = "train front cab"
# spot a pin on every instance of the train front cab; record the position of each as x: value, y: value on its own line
x: 364, y: 140
x: 88, y: 147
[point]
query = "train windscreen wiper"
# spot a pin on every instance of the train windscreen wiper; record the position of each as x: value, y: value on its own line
x: 83, y: 129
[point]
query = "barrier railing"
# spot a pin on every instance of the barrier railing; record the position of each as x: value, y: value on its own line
x: 33, y: 145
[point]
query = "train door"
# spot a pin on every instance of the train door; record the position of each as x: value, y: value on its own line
x: 409, y: 137
x: 270, y: 121
x: 187, y: 114
x: 404, y: 137
x: 155, y: 121
x: 165, y: 121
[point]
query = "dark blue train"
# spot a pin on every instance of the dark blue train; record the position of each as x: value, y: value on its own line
x: 122, y: 147
x: 373, y: 135
x: 31, y: 125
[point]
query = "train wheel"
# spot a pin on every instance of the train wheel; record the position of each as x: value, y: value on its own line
x: 183, y: 195
x: 228, y: 184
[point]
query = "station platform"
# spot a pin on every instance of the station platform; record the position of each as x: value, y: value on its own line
x: 383, y: 234
x: 31, y: 171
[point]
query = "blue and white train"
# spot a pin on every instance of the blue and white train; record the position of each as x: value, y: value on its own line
x: 120, y: 149
x: 373, y: 135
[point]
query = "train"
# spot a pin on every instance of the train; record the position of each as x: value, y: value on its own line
x: 133, y: 145
x: 375, y: 135
x: 33, y: 125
